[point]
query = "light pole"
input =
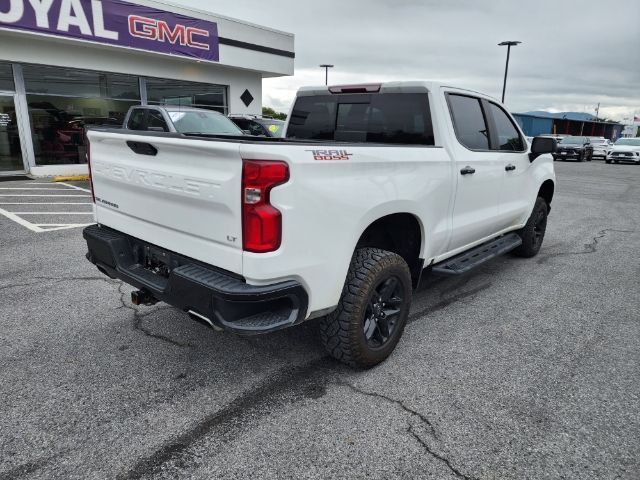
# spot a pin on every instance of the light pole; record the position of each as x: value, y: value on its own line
x: 326, y: 72
x: 508, y: 44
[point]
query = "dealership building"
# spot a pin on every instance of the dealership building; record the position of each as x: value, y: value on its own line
x: 68, y: 64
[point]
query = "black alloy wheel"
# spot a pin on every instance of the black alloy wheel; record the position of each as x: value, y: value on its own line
x: 383, y: 311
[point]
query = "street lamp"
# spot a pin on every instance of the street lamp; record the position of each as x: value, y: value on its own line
x: 326, y: 72
x: 508, y: 44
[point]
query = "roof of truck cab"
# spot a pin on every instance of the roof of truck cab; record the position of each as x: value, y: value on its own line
x: 390, y: 87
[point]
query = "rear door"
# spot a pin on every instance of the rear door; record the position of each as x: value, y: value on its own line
x: 479, y: 171
x: 177, y: 193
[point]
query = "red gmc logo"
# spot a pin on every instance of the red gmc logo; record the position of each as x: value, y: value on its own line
x: 160, y: 31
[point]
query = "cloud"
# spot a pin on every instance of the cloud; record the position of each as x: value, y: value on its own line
x: 574, y: 55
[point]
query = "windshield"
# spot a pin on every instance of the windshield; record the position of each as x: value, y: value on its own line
x: 573, y: 141
x: 632, y: 142
x: 210, y: 123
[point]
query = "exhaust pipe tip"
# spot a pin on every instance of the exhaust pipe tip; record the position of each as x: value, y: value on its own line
x: 202, y: 320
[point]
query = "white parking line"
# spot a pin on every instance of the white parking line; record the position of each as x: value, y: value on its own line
x: 41, y: 192
x: 52, y: 213
x: 30, y: 188
x: 20, y: 221
x: 55, y: 196
x: 60, y: 226
x: 76, y: 187
x: 45, y: 203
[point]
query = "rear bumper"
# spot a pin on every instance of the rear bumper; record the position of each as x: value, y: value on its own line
x: 222, y: 297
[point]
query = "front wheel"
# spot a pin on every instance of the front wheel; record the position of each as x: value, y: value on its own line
x: 608, y: 161
x: 373, y: 309
x: 532, y: 234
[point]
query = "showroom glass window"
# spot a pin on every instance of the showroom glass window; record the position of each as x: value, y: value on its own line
x: 187, y: 94
x: 62, y: 102
x: 6, y: 77
x: 10, y: 146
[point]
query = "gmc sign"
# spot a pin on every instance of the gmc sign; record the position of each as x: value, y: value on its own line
x: 161, y: 31
x: 114, y: 22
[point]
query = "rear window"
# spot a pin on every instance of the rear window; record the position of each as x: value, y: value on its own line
x: 402, y: 118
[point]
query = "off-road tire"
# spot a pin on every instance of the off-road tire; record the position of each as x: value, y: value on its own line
x: 342, y: 331
x: 531, y: 235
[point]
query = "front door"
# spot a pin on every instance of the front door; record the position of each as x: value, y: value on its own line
x: 10, y: 146
x: 479, y: 171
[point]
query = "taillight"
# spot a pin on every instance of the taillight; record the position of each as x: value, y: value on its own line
x: 88, y: 145
x: 261, y: 221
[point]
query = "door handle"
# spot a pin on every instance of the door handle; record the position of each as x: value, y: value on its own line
x: 143, y: 148
x: 510, y: 168
x: 468, y: 171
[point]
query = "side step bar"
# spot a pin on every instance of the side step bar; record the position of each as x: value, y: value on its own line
x: 477, y: 256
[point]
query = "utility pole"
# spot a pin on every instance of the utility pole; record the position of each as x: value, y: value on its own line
x: 598, y: 112
x: 508, y: 44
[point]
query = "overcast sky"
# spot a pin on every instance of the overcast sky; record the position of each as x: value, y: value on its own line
x: 575, y: 53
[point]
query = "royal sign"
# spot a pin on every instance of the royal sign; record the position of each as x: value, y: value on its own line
x: 114, y: 22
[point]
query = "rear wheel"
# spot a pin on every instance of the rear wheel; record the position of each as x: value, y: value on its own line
x: 373, y: 309
x: 532, y: 234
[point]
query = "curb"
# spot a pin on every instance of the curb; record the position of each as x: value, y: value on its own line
x: 73, y: 178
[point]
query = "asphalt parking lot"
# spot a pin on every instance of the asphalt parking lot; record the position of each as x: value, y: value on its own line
x: 522, y: 369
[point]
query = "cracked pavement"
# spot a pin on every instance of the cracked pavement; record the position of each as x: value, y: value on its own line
x: 521, y: 369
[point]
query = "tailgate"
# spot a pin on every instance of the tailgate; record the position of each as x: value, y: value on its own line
x: 180, y: 194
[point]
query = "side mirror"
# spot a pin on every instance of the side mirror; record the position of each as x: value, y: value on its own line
x: 156, y: 129
x: 542, y: 145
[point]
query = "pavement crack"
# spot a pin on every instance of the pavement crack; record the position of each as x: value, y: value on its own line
x: 399, y: 403
x: 138, y: 321
x: 437, y: 456
x: 588, y: 248
x: 410, y: 429
x: 58, y: 280
x: 17, y: 285
x: 104, y: 279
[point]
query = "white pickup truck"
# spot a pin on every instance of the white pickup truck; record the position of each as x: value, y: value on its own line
x: 373, y: 185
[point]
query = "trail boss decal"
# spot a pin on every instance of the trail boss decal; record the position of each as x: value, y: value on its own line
x: 330, y: 154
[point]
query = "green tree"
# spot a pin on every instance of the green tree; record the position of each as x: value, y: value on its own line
x: 270, y: 112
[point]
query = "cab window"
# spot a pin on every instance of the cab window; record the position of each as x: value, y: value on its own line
x: 156, y: 122
x: 508, y: 137
x: 136, y: 119
x: 469, y: 121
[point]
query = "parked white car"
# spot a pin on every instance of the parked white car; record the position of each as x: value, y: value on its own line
x: 625, y: 150
x: 600, y: 147
x: 374, y: 186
